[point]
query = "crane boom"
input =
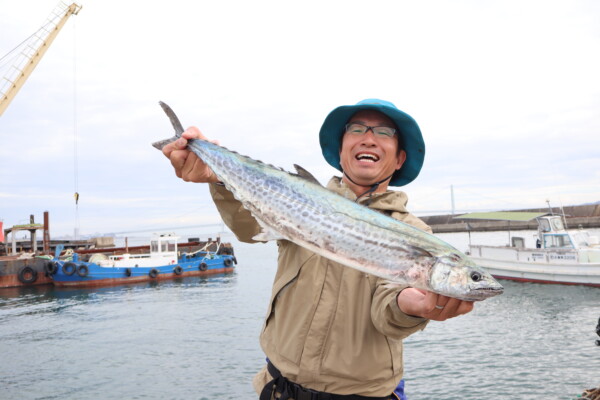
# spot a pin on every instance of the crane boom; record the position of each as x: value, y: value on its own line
x: 31, y: 51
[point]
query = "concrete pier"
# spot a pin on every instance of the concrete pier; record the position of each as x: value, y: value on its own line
x: 586, y: 217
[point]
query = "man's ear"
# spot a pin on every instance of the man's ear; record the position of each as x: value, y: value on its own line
x: 401, y: 158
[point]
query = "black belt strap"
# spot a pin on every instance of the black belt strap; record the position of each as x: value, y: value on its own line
x: 290, y: 390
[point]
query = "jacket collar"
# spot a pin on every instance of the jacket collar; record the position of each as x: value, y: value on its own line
x: 388, y: 201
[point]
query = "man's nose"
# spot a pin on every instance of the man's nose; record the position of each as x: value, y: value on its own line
x: 369, y: 137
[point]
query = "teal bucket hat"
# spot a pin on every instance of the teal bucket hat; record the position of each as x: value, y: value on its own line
x: 333, y: 128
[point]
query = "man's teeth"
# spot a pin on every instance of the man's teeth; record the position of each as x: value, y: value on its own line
x: 367, y: 157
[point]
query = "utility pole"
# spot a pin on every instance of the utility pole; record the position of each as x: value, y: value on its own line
x: 452, y: 197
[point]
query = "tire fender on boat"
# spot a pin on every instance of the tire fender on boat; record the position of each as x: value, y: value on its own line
x: 27, y: 275
x: 50, y: 268
x: 127, y: 272
x: 227, y: 262
x: 178, y: 270
x: 83, y: 270
x: 153, y: 273
x: 69, y: 268
x: 202, y: 266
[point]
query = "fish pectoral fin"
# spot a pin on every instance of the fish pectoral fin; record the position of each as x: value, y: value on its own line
x: 267, y: 234
x: 266, y: 237
x: 304, y: 174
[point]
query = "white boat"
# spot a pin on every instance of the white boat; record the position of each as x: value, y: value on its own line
x: 561, y: 256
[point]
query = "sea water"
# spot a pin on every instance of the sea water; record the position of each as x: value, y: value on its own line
x: 197, y: 338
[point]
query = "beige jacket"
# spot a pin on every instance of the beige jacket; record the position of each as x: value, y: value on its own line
x: 329, y: 327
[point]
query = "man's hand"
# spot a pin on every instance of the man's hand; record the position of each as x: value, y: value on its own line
x: 187, y: 164
x: 421, y: 303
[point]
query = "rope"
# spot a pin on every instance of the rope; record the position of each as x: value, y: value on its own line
x: 591, y: 394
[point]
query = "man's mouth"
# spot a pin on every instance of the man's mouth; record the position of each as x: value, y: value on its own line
x: 369, y: 157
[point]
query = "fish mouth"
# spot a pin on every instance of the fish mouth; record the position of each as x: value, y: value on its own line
x: 367, y: 157
x: 483, y: 293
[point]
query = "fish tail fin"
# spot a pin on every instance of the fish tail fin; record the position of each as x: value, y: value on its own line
x: 162, y: 143
x: 176, y: 125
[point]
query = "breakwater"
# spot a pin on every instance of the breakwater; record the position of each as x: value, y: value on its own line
x: 583, y: 216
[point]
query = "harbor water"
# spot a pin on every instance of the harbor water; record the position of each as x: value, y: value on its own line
x: 197, y: 338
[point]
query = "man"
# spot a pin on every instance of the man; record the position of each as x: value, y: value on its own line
x: 332, y: 332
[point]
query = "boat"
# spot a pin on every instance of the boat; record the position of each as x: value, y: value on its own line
x: 25, y: 266
x: 24, y: 269
x: 164, y: 261
x: 560, y: 256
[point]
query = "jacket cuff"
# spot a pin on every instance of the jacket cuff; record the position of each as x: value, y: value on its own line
x: 402, y: 319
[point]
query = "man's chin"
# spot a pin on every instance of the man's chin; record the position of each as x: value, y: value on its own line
x: 364, y: 179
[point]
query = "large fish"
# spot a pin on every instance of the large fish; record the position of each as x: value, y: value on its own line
x: 297, y: 208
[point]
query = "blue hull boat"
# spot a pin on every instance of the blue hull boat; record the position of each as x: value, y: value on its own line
x: 163, y: 262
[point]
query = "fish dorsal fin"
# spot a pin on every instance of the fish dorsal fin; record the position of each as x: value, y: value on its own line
x: 304, y: 174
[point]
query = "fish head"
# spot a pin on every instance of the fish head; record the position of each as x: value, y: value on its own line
x: 455, y: 275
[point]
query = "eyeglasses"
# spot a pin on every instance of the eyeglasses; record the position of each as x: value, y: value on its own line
x: 357, y: 129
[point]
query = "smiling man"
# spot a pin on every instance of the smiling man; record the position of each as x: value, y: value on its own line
x: 333, y: 332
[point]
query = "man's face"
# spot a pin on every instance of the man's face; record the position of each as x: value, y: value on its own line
x: 368, y: 158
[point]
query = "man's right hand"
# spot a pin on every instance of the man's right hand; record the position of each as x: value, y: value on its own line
x: 187, y: 165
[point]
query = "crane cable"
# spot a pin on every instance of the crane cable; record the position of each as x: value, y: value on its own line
x: 75, y: 155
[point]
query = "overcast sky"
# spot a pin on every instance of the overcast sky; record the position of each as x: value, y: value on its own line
x: 507, y: 95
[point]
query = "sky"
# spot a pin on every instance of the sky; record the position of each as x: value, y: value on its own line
x: 506, y: 93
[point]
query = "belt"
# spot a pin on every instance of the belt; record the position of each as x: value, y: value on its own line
x: 290, y: 390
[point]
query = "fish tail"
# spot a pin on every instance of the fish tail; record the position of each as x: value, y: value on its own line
x: 176, y: 125
x: 162, y: 143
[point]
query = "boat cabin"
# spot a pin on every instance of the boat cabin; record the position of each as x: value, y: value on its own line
x: 553, y: 235
x: 164, y: 245
x: 163, y: 251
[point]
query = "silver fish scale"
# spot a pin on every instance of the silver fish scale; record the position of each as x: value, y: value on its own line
x: 317, y: 218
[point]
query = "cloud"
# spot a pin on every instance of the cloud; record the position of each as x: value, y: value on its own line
x: 507, y: 101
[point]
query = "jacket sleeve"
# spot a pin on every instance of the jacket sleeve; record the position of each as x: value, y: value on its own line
x: 236, y: 217
x: 387, y: 316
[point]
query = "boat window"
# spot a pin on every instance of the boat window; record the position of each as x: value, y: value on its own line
x: 518, y: 242
x: 154, y: 246
x: 163, y: 247
x: 544, y: 225
x: 171, y: 246
x: 582, y: 239
x: 557, y: 241
x: 557, y: 224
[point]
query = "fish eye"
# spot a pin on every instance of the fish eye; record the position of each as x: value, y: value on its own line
x: 475, y: 276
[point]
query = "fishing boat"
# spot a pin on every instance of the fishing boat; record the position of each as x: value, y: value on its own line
x: 560, y: 256
x: 164, y: 261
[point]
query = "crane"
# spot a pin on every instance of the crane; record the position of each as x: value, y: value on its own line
x: 26, y: 56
